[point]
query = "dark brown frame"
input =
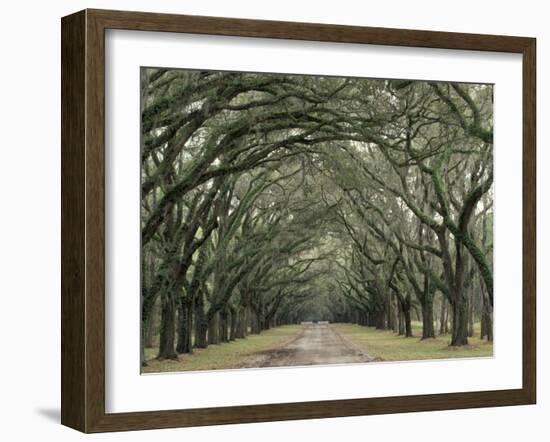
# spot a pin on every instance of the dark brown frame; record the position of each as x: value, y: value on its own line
x: 83, y: 216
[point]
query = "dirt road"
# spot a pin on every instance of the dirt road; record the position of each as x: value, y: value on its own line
x: 318, y: 344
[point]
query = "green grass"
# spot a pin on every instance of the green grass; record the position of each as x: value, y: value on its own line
x: 222, y: 356
x: 388, y: 346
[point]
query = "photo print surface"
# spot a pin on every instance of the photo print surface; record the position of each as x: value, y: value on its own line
x: 296, y: 220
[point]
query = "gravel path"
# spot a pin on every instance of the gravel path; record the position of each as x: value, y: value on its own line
x: 318, y: 344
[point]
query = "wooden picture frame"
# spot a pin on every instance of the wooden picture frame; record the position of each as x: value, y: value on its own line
x: 83, y: 219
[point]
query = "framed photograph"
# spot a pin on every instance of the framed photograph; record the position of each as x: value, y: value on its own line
x: 267, y: 220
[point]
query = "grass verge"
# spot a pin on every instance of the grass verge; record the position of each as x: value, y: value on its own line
x: 388, y: 346
x: 222, y: 356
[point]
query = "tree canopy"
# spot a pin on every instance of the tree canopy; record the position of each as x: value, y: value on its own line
x: 271, y: 199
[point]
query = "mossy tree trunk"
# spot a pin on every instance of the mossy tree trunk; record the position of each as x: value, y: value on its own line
x: 167, y: 327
